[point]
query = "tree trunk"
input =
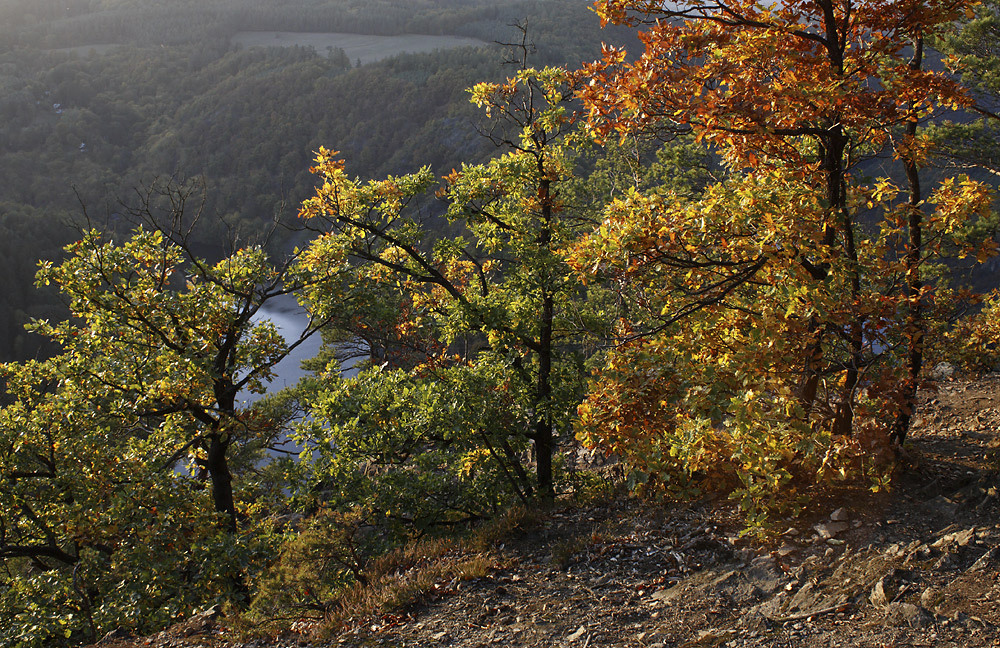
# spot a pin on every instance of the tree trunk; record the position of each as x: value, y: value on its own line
x: 222, y: 480
x: 914, y: 330
x: 833, y: 146
x: 544, y: 448
x: 543, y: 397
x: 843, y: 422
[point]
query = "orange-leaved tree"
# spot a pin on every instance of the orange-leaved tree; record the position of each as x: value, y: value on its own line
x: 776, y: 319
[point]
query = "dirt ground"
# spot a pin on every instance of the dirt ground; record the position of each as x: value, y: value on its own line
x: 917, y: 566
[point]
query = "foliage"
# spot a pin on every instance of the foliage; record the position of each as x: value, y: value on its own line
x: 97, y: 535
x: 315, y: 565
x: 977, y: 338
x: 714, y: 384
x: 773, y: 323
x: 494, y: 315
x: 419, y: 451
x: 144, y: 394
x: 754, y: 310
x: 117, y: 453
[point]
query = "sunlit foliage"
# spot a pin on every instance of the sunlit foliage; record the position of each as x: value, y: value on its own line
x: 782, y: 332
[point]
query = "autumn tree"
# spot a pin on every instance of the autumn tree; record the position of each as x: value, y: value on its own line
x: 106, y: 448
x: 497, y: 301
x: 782, y: 261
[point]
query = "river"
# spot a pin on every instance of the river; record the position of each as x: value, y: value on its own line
x: 291, y: 321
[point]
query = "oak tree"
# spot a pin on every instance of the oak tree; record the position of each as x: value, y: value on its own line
x: 106, y: 448
x: 497, y: 300
x: 780, y: 287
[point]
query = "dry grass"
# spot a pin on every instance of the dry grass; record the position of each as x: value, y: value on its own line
x: 396, y: 591
x: 502, y: 528
x: 422, y: 569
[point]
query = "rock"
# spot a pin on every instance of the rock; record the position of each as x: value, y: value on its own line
x: 577, y: 634
x: 907, y: 614
x: 840, y: 515
x: 915, y: 555
x: 963, y: 538
x: 805, y: 598
x: 753, y: 620
x: 805, y: 602
x: 931, y: 597
x: 885, y: 589
x: 945, y: 563
x: 666, y: 595
x: 942, y: 506
x: 986, y: 560
x: 741, y: 584
x: 827, y: 530
x: 764, y: 576
x: 956, y: 539
x: 785, y: 550
x: 943, y: 371
x: 878, y: 596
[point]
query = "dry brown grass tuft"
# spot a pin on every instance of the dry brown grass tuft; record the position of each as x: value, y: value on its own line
x: 404, y: 578
x: 502, y: 528
x: 422, y: 569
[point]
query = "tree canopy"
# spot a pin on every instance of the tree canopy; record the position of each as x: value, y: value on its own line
x: 725, y: 260
x: 776, y: 302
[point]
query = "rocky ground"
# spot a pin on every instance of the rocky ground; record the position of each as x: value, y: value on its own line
x: 918, y: 566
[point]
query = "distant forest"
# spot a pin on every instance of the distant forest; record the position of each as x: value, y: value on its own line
x: 175, y: 98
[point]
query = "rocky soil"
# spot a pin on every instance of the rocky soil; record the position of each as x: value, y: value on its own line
x: 918, y: 566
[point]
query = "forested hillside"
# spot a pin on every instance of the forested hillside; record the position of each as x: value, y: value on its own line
x: 100, y: 98
x: 725, y: 257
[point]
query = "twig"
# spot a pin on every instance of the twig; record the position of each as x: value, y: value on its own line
x: 840, y: 607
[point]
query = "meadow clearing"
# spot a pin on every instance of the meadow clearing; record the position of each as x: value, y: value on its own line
x: 363, y: 47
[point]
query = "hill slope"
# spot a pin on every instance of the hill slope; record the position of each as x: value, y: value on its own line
x: 918, y: 566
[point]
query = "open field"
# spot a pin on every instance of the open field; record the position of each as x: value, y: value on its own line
x: 357, y: 46
x: 85, y: 50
